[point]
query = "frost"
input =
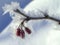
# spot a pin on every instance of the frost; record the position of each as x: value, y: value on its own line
x: 11, y: 7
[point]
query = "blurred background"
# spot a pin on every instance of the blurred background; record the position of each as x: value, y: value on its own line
x: 6, y: 19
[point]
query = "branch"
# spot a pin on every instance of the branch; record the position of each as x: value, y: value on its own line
x: 46, y: 16
x: 18, y: 11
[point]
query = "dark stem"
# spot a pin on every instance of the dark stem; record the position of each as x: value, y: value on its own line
x: 46, y: 16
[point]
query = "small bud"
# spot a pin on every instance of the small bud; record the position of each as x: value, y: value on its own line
x: 28, y: 30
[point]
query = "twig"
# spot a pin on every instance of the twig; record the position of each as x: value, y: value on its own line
x: 46, y: 16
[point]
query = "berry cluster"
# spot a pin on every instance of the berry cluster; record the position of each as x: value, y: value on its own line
x: 21, y: 32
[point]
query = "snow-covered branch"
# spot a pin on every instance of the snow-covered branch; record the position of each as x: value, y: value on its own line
x: 16, y: 12
x: 46, y: 16
x: 14, y: 8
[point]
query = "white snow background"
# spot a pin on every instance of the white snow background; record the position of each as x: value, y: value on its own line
x: 44, y: 32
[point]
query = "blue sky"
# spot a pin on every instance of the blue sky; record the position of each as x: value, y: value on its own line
x: 6, y: 19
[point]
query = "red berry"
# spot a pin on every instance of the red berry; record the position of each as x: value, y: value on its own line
x: 20, y: 33
x: 28, y: 30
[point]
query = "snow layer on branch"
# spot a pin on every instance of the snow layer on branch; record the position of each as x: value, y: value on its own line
x: 52, y: 7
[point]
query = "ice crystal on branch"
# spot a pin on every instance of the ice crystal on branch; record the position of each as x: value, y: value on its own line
x: 9, y: 8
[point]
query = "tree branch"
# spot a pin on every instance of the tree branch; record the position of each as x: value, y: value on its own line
x: 46, y: 16
x: 18, y: 11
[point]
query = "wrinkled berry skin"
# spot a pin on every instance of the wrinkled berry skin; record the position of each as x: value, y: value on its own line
x: 28, y: 30
x: 20, y: 33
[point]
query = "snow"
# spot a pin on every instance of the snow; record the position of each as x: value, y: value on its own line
x: 52, y: 7
x: 44, y: 32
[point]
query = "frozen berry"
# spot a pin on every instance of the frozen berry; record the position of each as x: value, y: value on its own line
x: 28, y: 30
x: 20, y: 33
